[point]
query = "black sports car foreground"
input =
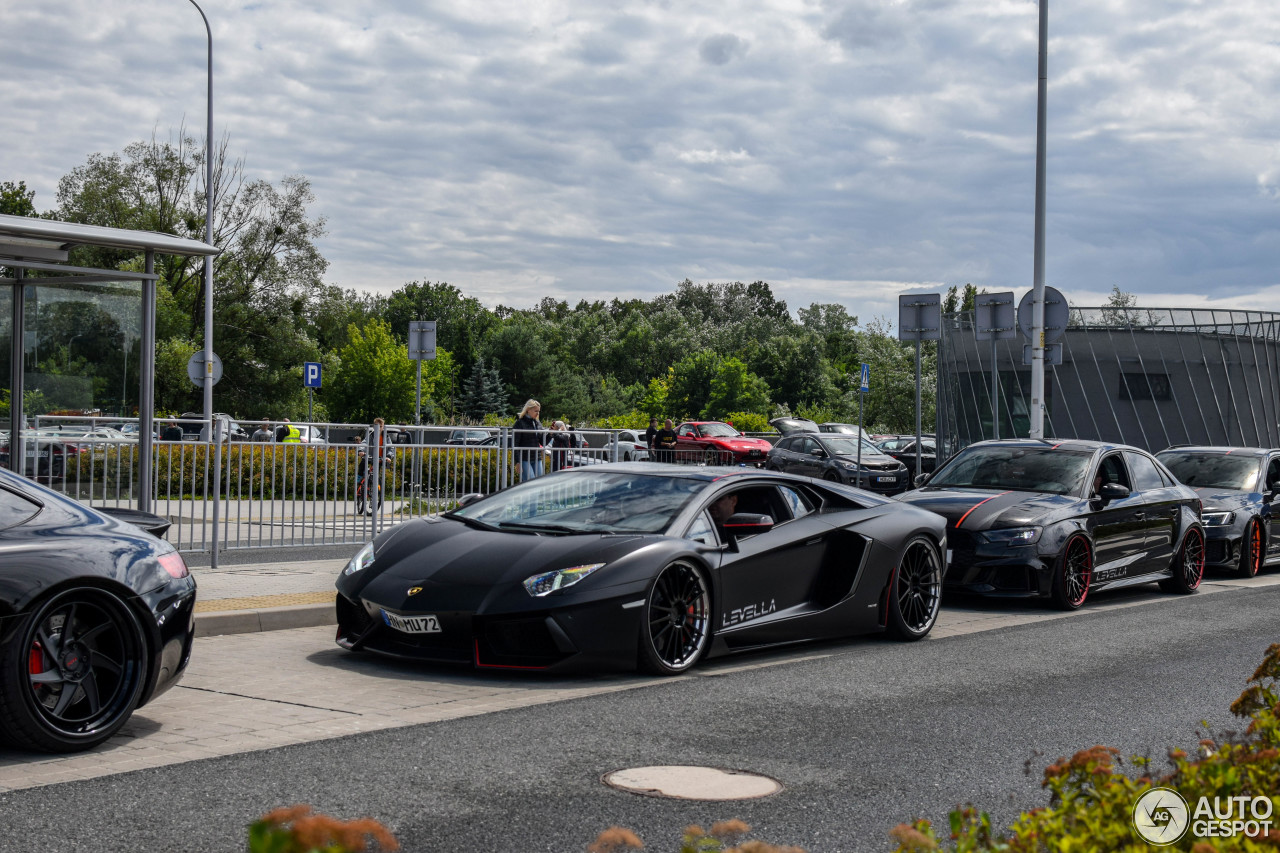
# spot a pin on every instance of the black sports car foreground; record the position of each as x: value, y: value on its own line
x: 1061, y: 519
x: 651, y: 565
x: 96, y: 619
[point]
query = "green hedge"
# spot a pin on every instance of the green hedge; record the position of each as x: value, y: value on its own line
x: 285, y: 471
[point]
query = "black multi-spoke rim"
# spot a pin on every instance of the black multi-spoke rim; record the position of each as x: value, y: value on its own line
x: 679, y: 613
x: 919, y: 587
x: 1193, y: 558
x: 84, y: 662
x: 1077, y: 571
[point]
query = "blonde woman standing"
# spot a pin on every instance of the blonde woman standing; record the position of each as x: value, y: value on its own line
x: 528, y: 440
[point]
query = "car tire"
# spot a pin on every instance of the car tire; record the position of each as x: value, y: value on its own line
x: 711, y: 457
x: 626, y: 457
x: 77, y: 695
x: 675, y: 624
x: 1073, y: 574
x: 831, y: 477
x: 1252, y: 548
x: 915, y: 592
x: 1188, y: 564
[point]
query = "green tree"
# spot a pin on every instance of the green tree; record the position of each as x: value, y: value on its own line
x: 735, y: 389
x: 16, y: 199
x: 461, y: 321
x: 375, y: 378
x: 483, y: 393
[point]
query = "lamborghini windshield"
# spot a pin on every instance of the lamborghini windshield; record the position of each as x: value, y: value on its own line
x: 585, y: 502
x: 1022, y: 469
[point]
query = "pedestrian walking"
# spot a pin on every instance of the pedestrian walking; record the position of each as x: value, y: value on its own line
x: 172, y: 432
x: 263, y: 433
x: 528, y: 437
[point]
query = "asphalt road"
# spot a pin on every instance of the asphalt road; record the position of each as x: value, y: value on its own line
x: 863, y: 735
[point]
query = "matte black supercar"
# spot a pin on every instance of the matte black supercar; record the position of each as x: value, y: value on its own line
x: 96, y: 618
x: 1238, y: 486
x: 642, y: 564
x: 1063, y: 519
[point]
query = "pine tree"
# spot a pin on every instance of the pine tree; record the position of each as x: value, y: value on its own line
x: 483, y: 394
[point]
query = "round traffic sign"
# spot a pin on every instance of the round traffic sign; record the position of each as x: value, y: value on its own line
x: 1056, y: 314
x: 196, y: 368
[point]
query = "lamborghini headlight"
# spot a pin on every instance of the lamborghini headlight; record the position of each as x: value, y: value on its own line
x: 1013, y: 536
x: 548, y: 582
x: 360, y: 561
x: 1217, y: 519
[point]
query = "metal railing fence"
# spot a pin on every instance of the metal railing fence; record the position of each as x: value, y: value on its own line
x: 231, y: 494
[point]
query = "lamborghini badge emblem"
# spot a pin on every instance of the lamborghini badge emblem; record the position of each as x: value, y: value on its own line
x: 414, y: 590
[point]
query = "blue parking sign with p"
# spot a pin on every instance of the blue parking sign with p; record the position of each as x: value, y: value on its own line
x: 866, y: 378
x: 311, y: 374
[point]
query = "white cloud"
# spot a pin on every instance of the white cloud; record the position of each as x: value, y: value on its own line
x: 839, y: 150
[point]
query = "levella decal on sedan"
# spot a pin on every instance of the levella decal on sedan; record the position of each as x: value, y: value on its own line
x: 650, y: 565
x: 1063, y: 519
x: 1238, y: 486
x: 96, y: 619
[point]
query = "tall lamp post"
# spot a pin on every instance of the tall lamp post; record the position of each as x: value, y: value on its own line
x: 208, y: 232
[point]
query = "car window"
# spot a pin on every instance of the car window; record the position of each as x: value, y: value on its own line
x: 809, y: 446
x: 702, y: 530
x: 1112, y: 470
x: 1143, y: 471
x: 796, y: 503
x: 786, y: 444
x: 15, y: 509
x: 685, y: 431
x: 1273, y: 474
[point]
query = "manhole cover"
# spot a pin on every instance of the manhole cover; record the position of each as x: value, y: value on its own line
x: 683, y: 782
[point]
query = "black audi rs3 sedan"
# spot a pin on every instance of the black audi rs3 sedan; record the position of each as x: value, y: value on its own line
x: 96, y: 618
x: 1063, y: 519
x: 1238, y: 486
x: 655, y: 566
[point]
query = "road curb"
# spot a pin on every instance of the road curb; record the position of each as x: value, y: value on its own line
x: 265, y: 619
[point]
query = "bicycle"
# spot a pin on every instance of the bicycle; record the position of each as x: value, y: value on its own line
x: 363, y: 504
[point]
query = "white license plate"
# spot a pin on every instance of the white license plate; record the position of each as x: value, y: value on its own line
x: 886, y: 479
x: 428, y: 624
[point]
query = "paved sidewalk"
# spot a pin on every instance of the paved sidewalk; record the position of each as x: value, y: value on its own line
x: 265, y: 596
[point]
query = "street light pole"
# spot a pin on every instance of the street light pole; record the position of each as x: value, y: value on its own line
x: 208, y: 231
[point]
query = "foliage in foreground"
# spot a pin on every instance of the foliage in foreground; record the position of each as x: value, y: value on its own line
x: 1092, y: 799
x: 296, y: 830
x: 725, y: 837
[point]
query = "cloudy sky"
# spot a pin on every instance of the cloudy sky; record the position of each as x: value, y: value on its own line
x: 842, y: 150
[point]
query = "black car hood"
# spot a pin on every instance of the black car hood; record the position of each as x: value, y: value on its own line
x: 1226, y: 499
x: 989, y: 509
x: 459, y: 567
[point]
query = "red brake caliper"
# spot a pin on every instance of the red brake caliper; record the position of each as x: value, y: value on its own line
x: 36, y: 659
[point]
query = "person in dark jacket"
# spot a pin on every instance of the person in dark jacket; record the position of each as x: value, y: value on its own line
x: 528, y: 432
x: 559, y: 440
x: 651, y: 437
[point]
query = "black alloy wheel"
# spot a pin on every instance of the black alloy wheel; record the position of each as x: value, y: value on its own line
x: 711, y: 457
x: 831, y: 477
x: 1188, y: 564
x: 677, y: 620
x: 1075, y: 573
x: 916, y: 591
x: 74, y: 672
x: 1251, y: 550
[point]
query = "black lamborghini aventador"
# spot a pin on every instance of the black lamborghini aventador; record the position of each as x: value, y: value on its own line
x: 1062, y: 519
x: 96, y: 618
x: 648, y: 565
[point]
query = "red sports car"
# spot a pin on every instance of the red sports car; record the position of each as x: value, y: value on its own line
x: 718, y: 443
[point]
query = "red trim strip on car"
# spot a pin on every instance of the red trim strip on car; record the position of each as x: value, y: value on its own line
x: 978, y: 504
